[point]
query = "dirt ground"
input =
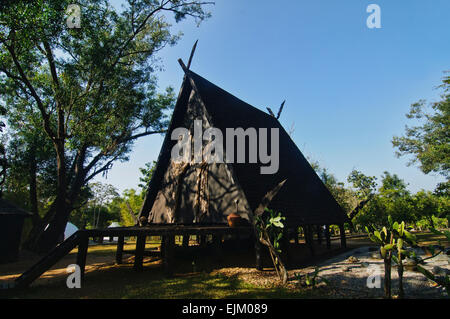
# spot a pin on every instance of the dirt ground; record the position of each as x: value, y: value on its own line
x: 103, y: 256
x: 346, y: 270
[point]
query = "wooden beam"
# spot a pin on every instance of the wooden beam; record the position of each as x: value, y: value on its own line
x: 192, y: 55
x: 285, y: 245
x: 119, y: 251
x: 203, y: 240
x: 319, y: 234
x: 82, y: 253
x: 296, y: 235
x: 327, y: 236
x: 258, y: 252
x: 186, y: 241
x: 309, y: 238
x: 217, y: 246
x: 280, y: 109
x: 168, y: 255
x: 139, y: 255
x: 342, y: 233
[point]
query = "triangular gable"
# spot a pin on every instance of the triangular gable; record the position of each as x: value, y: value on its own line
x: 304, y: 199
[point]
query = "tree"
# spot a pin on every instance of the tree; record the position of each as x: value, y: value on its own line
x: 392, y: 199
x: 3, y: 161
x: 365, y: 185
x: 92, y: 90
x: 127, y: 205
x: 426, y: 205
x: 147, y: 173
x: 429, y: 141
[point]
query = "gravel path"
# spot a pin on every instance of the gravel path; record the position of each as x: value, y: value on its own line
x: 348, y: 274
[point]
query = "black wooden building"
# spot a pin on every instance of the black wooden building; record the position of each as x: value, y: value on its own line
x: 11, y: 224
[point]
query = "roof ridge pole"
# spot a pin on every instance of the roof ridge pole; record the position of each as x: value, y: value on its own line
x: 279, y: 110
x: 192, y: 82
x: 192, y: 55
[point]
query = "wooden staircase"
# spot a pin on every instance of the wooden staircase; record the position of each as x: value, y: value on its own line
x: 46, y: 262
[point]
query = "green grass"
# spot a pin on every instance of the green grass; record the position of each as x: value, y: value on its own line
x: 122, y: 282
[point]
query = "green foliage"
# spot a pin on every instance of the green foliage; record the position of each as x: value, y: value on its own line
x: 311, y: 280
x: 272, y: 223
x: 393, y: 240
x: 392, y: 199
x: 147, y: 173
x: 91, y: 92
x: 129, y: 199
x: 364, y: 185
x: 428, y: 141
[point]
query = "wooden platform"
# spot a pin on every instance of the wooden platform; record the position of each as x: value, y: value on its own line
x: 168, y: 232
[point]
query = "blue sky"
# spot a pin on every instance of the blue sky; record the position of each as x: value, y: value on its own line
x: 347, y: 87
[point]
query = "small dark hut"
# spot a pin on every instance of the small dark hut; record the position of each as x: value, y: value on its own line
x: 208, y: 193
x: 11, y: 224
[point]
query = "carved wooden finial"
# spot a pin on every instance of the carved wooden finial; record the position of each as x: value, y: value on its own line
x: 279, y: 110
x: 192, y: 54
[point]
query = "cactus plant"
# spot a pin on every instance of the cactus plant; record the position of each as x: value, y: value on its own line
x: 393, y: 241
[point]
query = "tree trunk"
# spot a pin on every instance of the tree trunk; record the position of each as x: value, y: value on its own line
x: 401, y: 292
x: 50, y: 236
x: 33, y: 185
x: 430, y: 219
x: 387, y: 277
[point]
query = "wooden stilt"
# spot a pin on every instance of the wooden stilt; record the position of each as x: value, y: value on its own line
x: 119, y: 251
x: 296, y: 235
x: 185, y: 241
x: 319, y: 234
x: 82, y: 253
x: 343, y: 239
x: 258, y: 252
x: 308, y: 239
x: 139, y: 253
x: 163, y: 244
x: 203, y: 240
x: 327, y: 236
x: 217, y: 246
x: 285, y: 248
x: 168, y: 255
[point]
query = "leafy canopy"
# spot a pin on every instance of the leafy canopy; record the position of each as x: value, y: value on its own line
x: 428, y: 141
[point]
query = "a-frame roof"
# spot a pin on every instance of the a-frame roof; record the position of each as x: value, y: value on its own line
x: 304, y: 199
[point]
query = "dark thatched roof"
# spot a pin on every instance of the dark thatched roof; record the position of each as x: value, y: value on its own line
x: 304, y: 199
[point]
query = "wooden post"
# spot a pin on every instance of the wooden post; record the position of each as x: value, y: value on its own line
x: 296, y: 235
x: 185, y: 241
x: 258, y: 248
x: 342, y: 233
x: 168, y: 254
x: 327, y: 236
x: 319, y: 234
x: 139, y: 253
x: 203, y: 240
x: 163, y: 246
x: 285, y: 244
x: 82, y: 253
x: 119, y: 251
x: 308, y: 238
x: 217, y: 245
